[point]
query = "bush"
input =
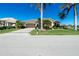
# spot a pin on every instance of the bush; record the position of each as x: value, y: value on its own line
x: 78, y: 29
x: 23, y: 27
x: 46, y: 27
x: 54, y: 27
x: 7, y: 27
x: 4, y: 27
x: 65, y: 27
x: 1, y: 28
x: 10, y: 27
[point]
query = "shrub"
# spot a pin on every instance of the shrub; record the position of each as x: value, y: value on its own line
x: 9, y: 27
x: 65, y: 27
x: 78, y: 29
x: 23, y: 27
x: 56, y: 25
x: 46, y: 23
x: 6, y: 27
x: 1, y: 28
x: 46, y: 27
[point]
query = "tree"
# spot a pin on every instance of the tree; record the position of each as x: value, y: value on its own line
x: 41, y: 7
x: 46, y: 23
x: 19, y: 24
x: 65, y: 10
x: 56, y: 24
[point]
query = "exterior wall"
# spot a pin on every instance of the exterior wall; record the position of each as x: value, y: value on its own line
x: 3, y: 23
x: 7, y: 22
x: 30, y: 25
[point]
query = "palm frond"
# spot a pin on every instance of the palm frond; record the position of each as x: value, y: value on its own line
x: 65, y: 11
x: 38, y: 5
x: 61, y: 15
x: 44, y: 5
x: 65, y: 5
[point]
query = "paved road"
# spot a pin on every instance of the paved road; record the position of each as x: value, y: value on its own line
x: 21, y: 43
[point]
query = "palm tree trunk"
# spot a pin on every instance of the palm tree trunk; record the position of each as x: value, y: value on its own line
x: 41, y: 16
x: 75, y: 17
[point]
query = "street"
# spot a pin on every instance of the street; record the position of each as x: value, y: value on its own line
x: 21, y: 43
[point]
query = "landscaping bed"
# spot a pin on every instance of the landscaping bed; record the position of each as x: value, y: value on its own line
x: 7, y: 30
x: 54, y: 32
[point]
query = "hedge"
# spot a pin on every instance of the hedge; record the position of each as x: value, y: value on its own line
x: 7, y: 27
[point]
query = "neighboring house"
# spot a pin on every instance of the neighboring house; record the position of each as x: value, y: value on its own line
x: 32, y: 23
x: 62, y: 26
x: 7, y: 22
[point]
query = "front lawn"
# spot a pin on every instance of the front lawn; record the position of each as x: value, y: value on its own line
x: 7, y: 30
x: 55, y: 32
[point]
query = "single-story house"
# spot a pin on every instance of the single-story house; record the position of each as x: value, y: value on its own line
x: 32, y: 23
x: 7, y: 22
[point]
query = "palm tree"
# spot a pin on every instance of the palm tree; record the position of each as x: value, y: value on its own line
x: 41, y: 16
x: 41, y: 7
x: 65, y: 10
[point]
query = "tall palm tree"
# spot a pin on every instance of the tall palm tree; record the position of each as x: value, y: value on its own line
x: 41, y: 10
x: 41, y: 7
x: 65, y: 10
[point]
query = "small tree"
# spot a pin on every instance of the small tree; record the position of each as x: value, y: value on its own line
x: 18, y: 24
x: 46, y: 24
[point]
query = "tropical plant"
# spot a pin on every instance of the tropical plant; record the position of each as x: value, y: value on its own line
x: 19, y: 24
x: 7, y: 27
x: 47, y: 24
x: 56, y: 24
x: 41, y: 7
x: 66, y: 7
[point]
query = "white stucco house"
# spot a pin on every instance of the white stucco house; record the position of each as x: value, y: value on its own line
x: 7, y: 22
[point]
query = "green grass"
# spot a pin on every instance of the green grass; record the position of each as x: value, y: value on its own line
x: 55, y: 32
x: 7, y: 30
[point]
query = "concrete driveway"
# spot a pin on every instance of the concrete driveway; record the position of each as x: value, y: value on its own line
x: 21, y: 43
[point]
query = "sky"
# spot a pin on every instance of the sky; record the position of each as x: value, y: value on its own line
x: 24, y: 11
x: 20, y: 11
